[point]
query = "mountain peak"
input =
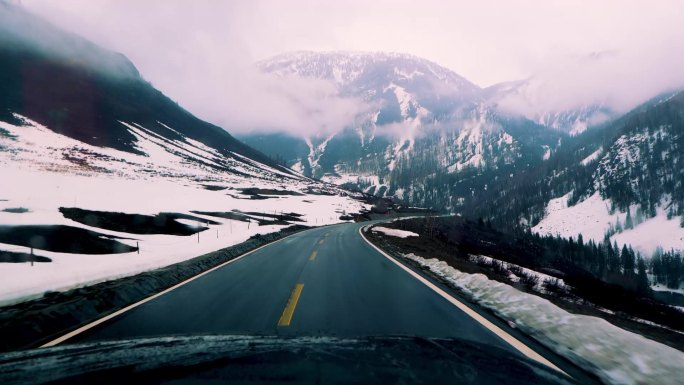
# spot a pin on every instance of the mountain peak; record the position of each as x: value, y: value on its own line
x: 23, y: 32
x: 358, y: 67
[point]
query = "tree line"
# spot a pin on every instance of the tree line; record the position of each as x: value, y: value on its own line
x: 668, y: 268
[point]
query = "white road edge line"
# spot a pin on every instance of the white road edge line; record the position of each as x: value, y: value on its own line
x: 132, y: 306
x: 524, y: 349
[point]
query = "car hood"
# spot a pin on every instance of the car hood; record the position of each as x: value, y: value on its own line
x: 277, y: 360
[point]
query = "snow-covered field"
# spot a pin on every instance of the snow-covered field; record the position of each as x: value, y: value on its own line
x: 617, y: 356
x: 42, y: 171
x: 341, y: 177
x: 654, y: 232
x: 591, y: 217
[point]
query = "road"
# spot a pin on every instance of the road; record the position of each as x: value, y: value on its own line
x: 326, y: 281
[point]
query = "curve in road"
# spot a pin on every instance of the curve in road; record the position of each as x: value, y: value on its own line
x: 325, y: 281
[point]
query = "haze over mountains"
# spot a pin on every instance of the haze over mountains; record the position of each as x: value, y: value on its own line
x: 429, y: 137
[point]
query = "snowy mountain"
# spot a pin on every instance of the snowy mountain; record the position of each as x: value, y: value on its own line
x: 94, y: 160
x: 559, y: 170
x: 426, y: 126
x: 629, y: 188
x: 83, y: 91
x: 412, y: 81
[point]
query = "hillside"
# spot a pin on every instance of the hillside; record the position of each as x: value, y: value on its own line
x: 98, y: 165
x: 427, y: 128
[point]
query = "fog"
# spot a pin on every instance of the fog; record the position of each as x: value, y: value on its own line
x: 202, y: 52
x: 620, y: 80
x: 22, y: 30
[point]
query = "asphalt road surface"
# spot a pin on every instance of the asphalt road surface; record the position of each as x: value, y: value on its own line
x: 322, y: 282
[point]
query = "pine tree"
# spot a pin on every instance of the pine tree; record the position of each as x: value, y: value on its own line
x: 600, y: 259
x: 613, y: 257
x: 643, y: 286
x: 676, y: 271
x: 628, y: 220
x: 627, y: 261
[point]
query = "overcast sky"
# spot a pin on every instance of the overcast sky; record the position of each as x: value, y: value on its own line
x: 193, y: 49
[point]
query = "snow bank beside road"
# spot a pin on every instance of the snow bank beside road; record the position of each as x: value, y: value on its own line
x: 614, y: 354
x: 394, y: 232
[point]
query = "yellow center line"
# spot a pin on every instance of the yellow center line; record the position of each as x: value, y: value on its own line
x: 286, y: 318
x: 313, y: 255
x: 321, y: 241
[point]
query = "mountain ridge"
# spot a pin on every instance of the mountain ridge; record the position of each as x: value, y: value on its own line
x: 84, y: 91
x: 414, y: 112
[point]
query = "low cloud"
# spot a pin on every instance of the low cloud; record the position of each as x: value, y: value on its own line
x: 21, y: 30
x: 196, y: 53
x: 202, y: 52
x: 619, y: 80
x: 263, y: 103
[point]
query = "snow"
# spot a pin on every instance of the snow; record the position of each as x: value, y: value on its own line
x: 341, y: 177
x: 169, y: 177
x: 470, y: 143
x: 49, y: 191
x: 474, y: 161
x: 578, y: 127
x: 654, y: 232
x: 316, y: 152
x: 404, y: 99
x: 660, y: 287
x: 590, y: 217
x: 617, y: 356
x: 298, y: 167
x: 400, y: 193
x: 394, y: 232
x: 407, y: 75
x: 542, y: 278
x: 594, y: 155
x: 547, y: 152
x: 625, y: 155
x: 507, y: 138
x: 346, y: 68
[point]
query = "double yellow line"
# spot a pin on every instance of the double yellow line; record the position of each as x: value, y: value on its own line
x: 286, y: 317
x: 288, y: 312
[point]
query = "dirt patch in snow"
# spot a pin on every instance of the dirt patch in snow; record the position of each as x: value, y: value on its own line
x: 62, y: 239
x: 264, y: 191
x: 11, y: 257
x: 162, y: 223
x: 15, y: 210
